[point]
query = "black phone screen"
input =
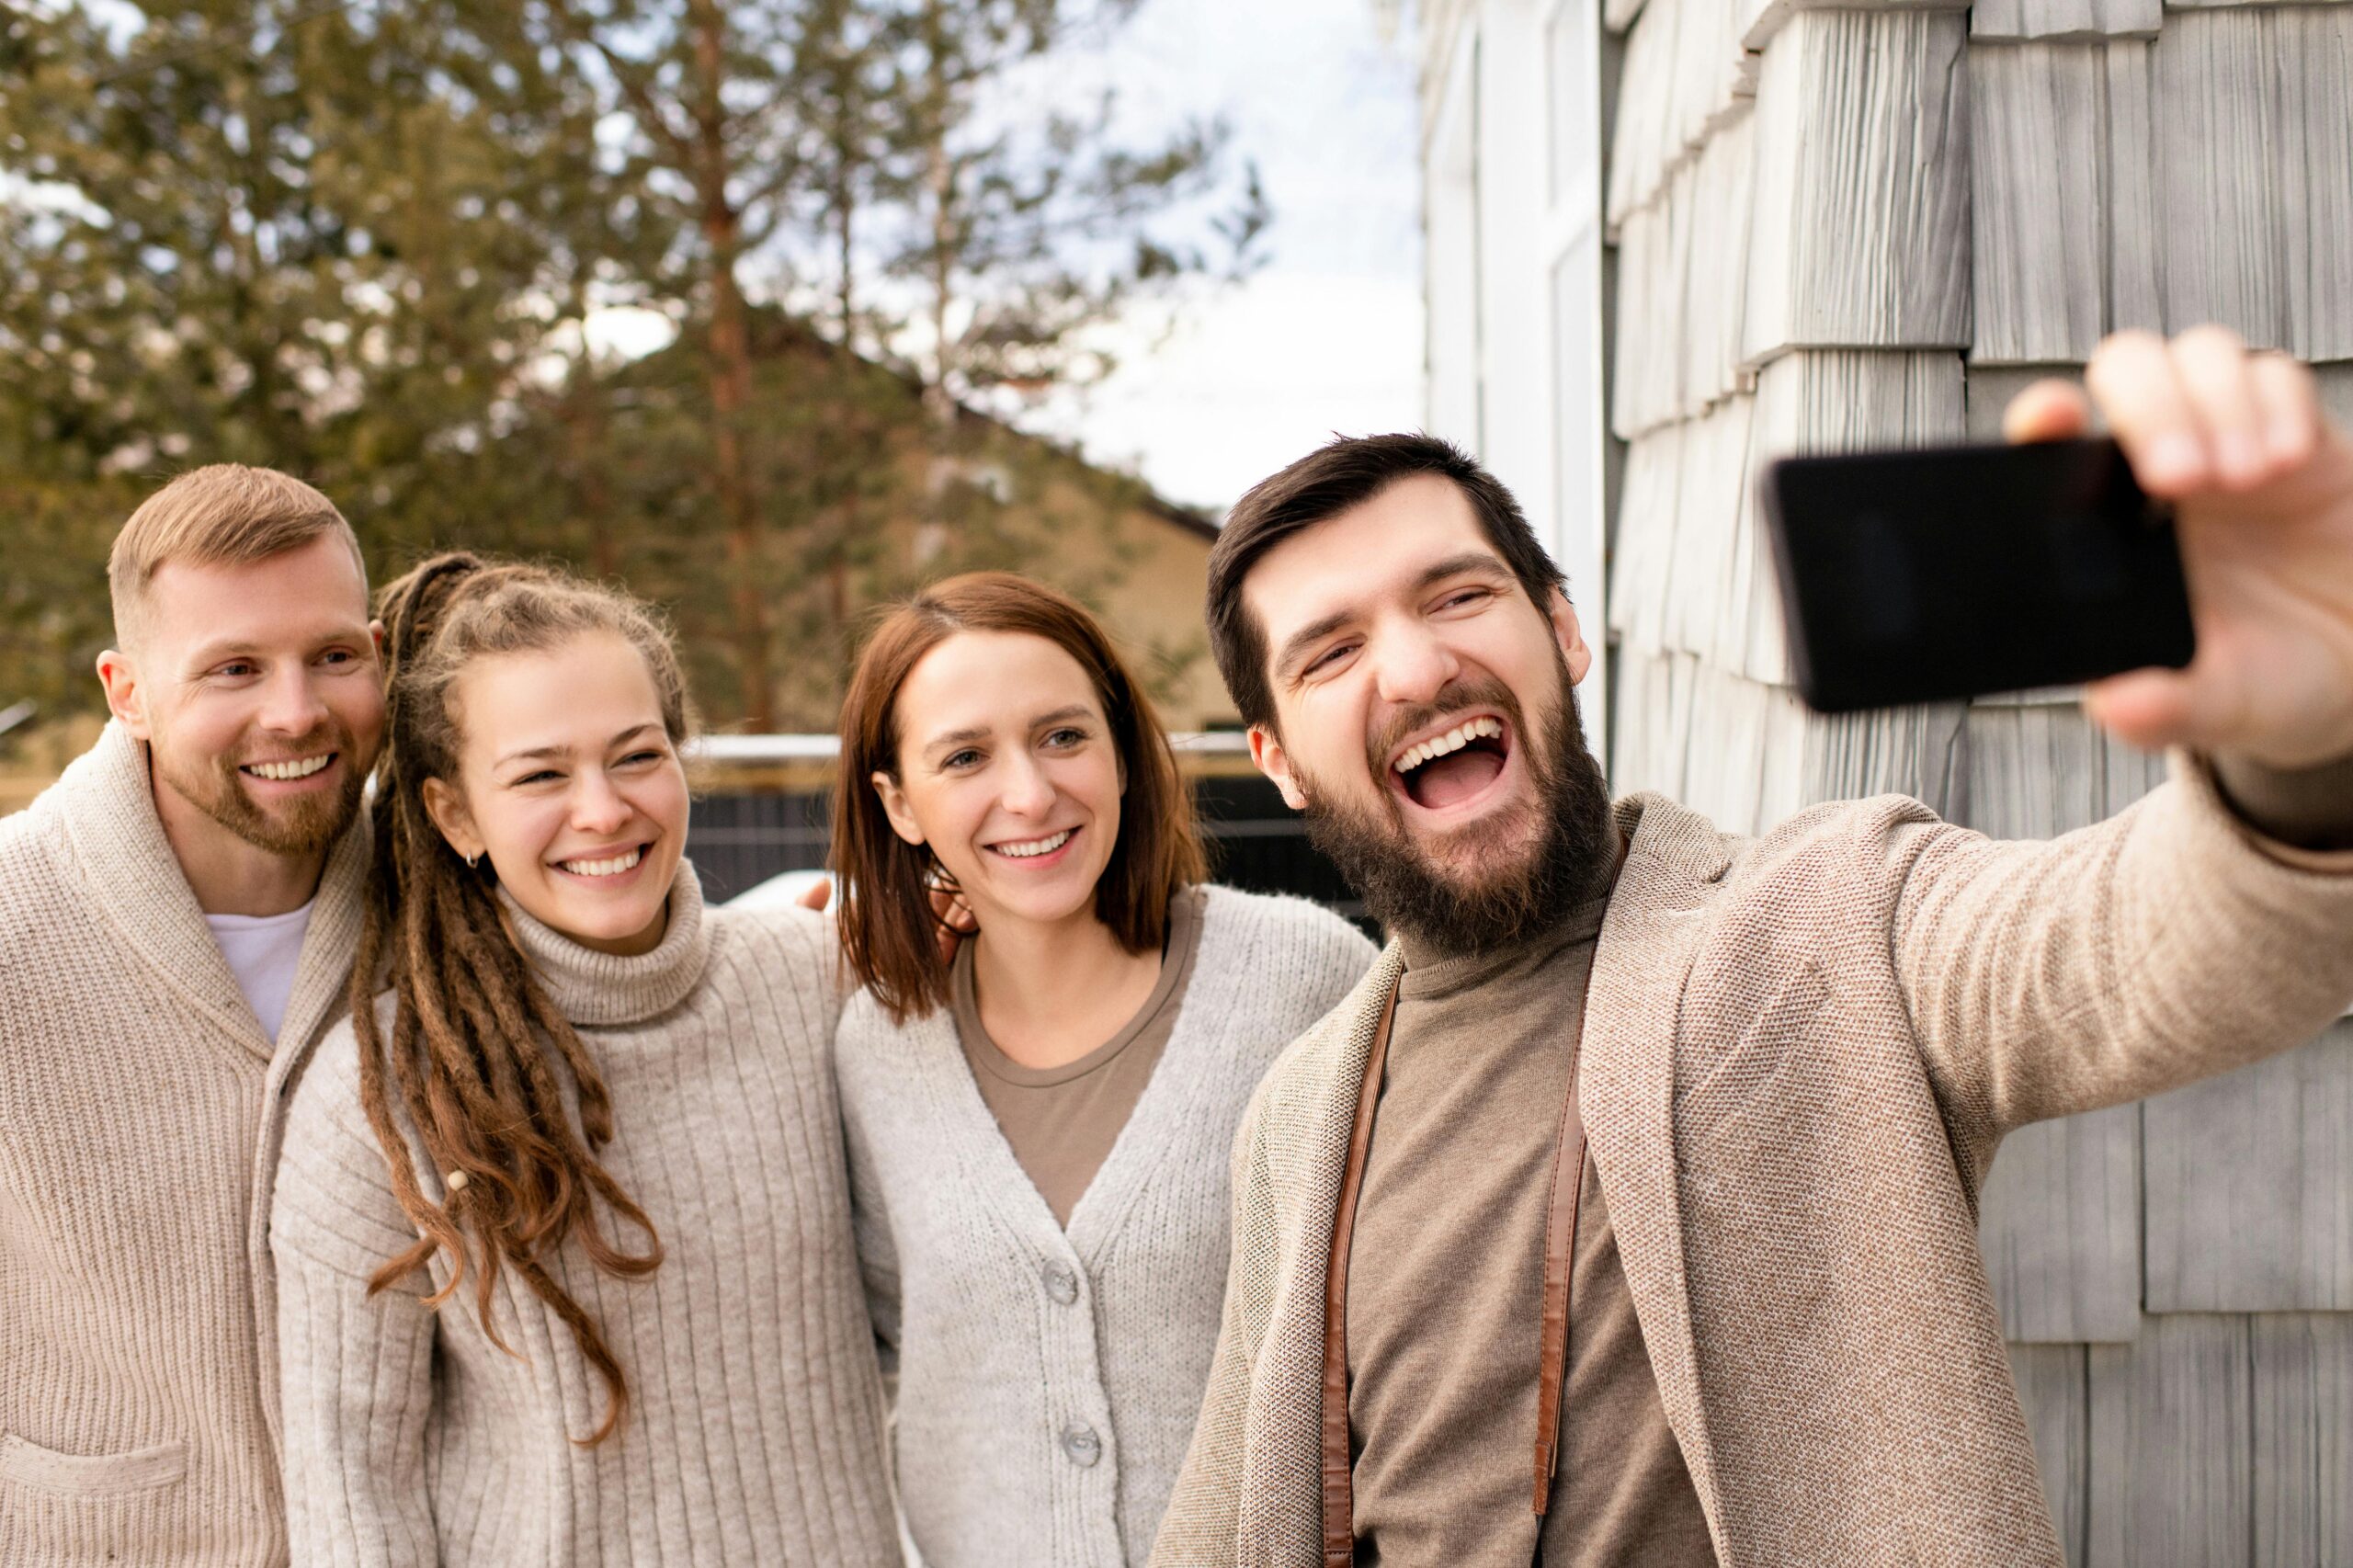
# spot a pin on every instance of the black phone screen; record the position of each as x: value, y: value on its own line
x: 1916, y: 576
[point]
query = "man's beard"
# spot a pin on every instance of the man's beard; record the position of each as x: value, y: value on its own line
x: 1508, y: 894
x: 303, y: 825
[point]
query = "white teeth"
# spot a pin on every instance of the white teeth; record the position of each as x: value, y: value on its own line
x: 1035, y: 845
x: 285, y: 771
x: 1462, y: 735
x: 612, y: 868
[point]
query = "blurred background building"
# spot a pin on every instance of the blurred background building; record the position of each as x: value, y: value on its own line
x: 1672, y: 238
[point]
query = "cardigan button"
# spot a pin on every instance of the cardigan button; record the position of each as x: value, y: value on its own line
x: 1081, y: 1444
x: 1062, y: 1282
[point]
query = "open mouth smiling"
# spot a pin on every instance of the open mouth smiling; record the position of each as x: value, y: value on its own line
x: 291, y: 770
x: 614, y: 865
x: 1452, y: 766
x: 1032, y: 848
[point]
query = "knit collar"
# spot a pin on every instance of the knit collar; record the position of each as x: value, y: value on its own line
x: 107, y: 803
x: 599, y: 990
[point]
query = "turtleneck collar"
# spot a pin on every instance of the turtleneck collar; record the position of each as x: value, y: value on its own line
x: 598, y: 990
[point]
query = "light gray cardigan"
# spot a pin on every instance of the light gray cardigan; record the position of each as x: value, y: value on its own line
x: 1048, y: 1381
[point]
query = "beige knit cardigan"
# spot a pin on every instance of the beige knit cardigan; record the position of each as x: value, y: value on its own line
x: 753, y: 1433
x: 134, y: 1109
x: 1800, y: 1054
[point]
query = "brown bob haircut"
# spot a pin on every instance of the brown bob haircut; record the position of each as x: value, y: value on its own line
x: 889, y: 930
x: 1330, y: 480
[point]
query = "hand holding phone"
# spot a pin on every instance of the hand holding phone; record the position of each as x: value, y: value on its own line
x: 1916, y: 576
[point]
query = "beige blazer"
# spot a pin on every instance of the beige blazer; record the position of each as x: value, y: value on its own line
x: 1801, y: 1052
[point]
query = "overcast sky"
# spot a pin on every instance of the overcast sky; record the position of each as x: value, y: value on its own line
x: 1328, y: 335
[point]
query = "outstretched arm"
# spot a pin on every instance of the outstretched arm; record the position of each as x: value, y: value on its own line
x: 2213, y: 922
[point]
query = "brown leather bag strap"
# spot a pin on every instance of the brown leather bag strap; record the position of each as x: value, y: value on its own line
x: 1340, y: 1493
x: 1559, y: 1259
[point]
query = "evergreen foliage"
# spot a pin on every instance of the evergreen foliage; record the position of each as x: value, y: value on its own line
x: 380, y: 243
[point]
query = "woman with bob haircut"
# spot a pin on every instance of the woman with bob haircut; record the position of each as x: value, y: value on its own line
x: 1040, y: 1127
x: 564, y: 1263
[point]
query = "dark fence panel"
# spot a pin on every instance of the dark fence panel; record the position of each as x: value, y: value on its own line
x: 1256, y: 842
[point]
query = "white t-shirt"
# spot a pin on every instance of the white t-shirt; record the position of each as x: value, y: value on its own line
x: 263, y: 951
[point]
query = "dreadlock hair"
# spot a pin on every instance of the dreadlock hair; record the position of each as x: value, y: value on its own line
x: 472, y: 1034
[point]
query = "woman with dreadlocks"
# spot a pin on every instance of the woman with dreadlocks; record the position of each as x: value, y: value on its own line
x: 564, y: 1272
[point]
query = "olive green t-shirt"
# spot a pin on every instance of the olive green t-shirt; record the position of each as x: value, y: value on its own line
x: 1062, y: 1121
x: 1445, y: 1281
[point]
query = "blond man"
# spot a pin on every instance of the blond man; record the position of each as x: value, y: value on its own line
x: 176, y: 920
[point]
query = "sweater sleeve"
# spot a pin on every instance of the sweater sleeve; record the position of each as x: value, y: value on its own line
x: 2164, y: 945
x: 1202, y: 1525
x: 356, y: 1379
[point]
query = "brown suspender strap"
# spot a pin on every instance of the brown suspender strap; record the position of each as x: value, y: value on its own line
x: 1560, y: 1257
x: 1340, y: 1493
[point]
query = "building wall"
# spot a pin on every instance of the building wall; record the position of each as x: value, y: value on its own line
x: 1830, y: 228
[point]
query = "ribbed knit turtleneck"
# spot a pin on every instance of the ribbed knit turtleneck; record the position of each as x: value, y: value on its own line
x: 598, y: 990
x: 753, y: 1429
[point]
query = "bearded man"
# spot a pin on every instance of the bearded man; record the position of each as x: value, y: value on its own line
x: 1626, y: 1214
x: 177, y: 915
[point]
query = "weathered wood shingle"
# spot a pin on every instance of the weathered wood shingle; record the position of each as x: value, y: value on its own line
x: 2250, y: 1187
x: 1861, y: 232
x: 2171, y: 1436
x: 2053, y: 1389
x: 1996, y: 20
x: 2039, y: 216
x: 2303, y: 1439
x: 2314, y: 48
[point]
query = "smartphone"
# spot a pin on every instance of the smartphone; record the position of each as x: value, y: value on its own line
x: 1922, y: 576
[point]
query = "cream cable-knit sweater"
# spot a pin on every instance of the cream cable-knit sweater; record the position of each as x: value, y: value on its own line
x: 1048, y: 1381
x: 754, y: 1432
x: 134, y: 1100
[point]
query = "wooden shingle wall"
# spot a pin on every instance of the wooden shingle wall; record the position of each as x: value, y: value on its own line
x: 1851, y: 225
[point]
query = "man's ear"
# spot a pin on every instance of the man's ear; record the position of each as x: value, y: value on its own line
x: 1570, y: 636
x: 126, y: 695
x: 1267, y: 751
x: 894, y: 806
x: 447, y: 806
